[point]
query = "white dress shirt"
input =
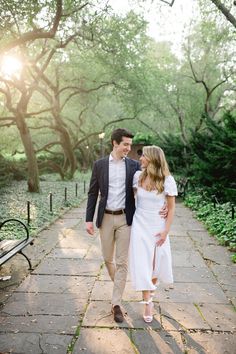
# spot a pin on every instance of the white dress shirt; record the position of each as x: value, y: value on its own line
x: 116, y: 184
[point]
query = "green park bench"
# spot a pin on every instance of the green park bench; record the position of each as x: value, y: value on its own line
x: 9, y: 244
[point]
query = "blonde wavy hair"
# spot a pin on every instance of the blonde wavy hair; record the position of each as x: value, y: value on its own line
x: 157, y: 168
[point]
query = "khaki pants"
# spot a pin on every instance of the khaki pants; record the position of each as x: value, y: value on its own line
x: 115, y: 236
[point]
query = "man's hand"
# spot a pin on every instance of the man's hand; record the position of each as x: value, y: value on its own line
x: 90, y: 228
x: 164, y: 211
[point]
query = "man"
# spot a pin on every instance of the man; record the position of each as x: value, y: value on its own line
x: 112, y: 176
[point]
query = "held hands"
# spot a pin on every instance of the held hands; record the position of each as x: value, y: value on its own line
x: 90, y: 228
x: 161, y: 237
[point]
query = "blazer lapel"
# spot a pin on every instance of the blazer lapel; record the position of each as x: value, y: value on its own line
x: 127, y: 173
x: 106, y: 174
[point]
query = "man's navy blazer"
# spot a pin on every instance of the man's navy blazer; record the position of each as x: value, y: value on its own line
x: 99, y: 184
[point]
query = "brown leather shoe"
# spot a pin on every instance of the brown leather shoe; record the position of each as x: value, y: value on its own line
x: 118, y: 315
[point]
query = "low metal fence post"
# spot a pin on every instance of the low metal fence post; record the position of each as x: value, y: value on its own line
x: 65, y: 194
x: 28, y: 212
x: 50, y: 202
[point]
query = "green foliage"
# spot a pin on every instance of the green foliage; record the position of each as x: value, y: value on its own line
x: 233, y: 258
x: 208, y: 160
x: 216, y: 217
x: 11, y: 170
x: 177, y: 153
x: 14, y: 199
x: 214, y: 156
x: 144, y: 138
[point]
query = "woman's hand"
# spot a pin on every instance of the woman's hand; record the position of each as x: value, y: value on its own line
x: 161, y: 237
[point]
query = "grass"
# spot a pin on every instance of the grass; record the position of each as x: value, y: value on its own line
x: 14, y: 199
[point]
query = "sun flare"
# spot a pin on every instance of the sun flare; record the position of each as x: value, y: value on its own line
x: 10, y: 67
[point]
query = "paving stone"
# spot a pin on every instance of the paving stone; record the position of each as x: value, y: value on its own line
x: 212, y: 343
x: 73, y: 240
x: 194, y: 225
x: 39, y: 324
x: 193, y: 275
x: 179, y: 292
x: 180, y: 243
x: 187, y: 259
x: 71, y: 233
x: 225, y: 274
x: 58, y: 284
x: 220, y: 317
x: 161, y: 342
x: 178, y: 232
x: 98, y: 314
x: 46, y: 309
x: 217, y: 254
x: 25, y: 343
x: 181, y: 316
x: 182, y: 212
x: 74, y: 213
x: 65, y: 223
x: 68, y: 267
x: 44, y: 244
x: 94, y: 252
x: 4, y: 296
x: 202, y: 238
x: 231, y: 295
x: 43, y: 303
x: 103, y: 290
x: 192, y: 293
x: 103, y: 341
x: 15, y: 268
x: 68, y: 253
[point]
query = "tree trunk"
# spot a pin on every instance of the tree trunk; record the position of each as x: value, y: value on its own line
x: 70, y: 162
x: 70, y: 158
x: 33, y: 172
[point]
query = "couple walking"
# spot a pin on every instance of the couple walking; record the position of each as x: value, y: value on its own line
x: 118, y: 181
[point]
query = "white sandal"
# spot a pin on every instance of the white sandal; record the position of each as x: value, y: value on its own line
x: 149, y: 318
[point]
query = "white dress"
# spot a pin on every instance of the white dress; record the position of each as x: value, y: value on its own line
x: 143, y: 250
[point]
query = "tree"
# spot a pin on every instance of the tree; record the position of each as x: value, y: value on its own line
x: 214, y: 155
x: 62, y: 23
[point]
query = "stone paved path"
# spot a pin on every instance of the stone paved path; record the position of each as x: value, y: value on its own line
x: 63, y: 306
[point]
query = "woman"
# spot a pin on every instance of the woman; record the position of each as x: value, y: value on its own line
x: 150, y: 254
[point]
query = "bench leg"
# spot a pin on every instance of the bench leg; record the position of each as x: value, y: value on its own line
x: 30, y: 265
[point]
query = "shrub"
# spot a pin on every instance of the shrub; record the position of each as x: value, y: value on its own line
x: 217, y: 218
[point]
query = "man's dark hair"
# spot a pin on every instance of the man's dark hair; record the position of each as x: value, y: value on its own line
x: 119, y: 133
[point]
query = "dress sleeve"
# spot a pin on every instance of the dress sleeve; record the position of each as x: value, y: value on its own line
x: 136, y: 178
x: 170, y: 187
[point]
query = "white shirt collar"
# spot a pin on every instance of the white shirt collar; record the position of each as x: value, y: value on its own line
x: 111, y: 158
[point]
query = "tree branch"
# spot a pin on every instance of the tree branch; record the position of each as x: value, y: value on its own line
x: 225, y: 11
x: 167, y: 2
x: 37, y: 33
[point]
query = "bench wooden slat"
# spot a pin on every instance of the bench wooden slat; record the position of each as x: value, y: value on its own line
x: 7, y: 245
x: 8, y: 248
x: 15, y: 250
